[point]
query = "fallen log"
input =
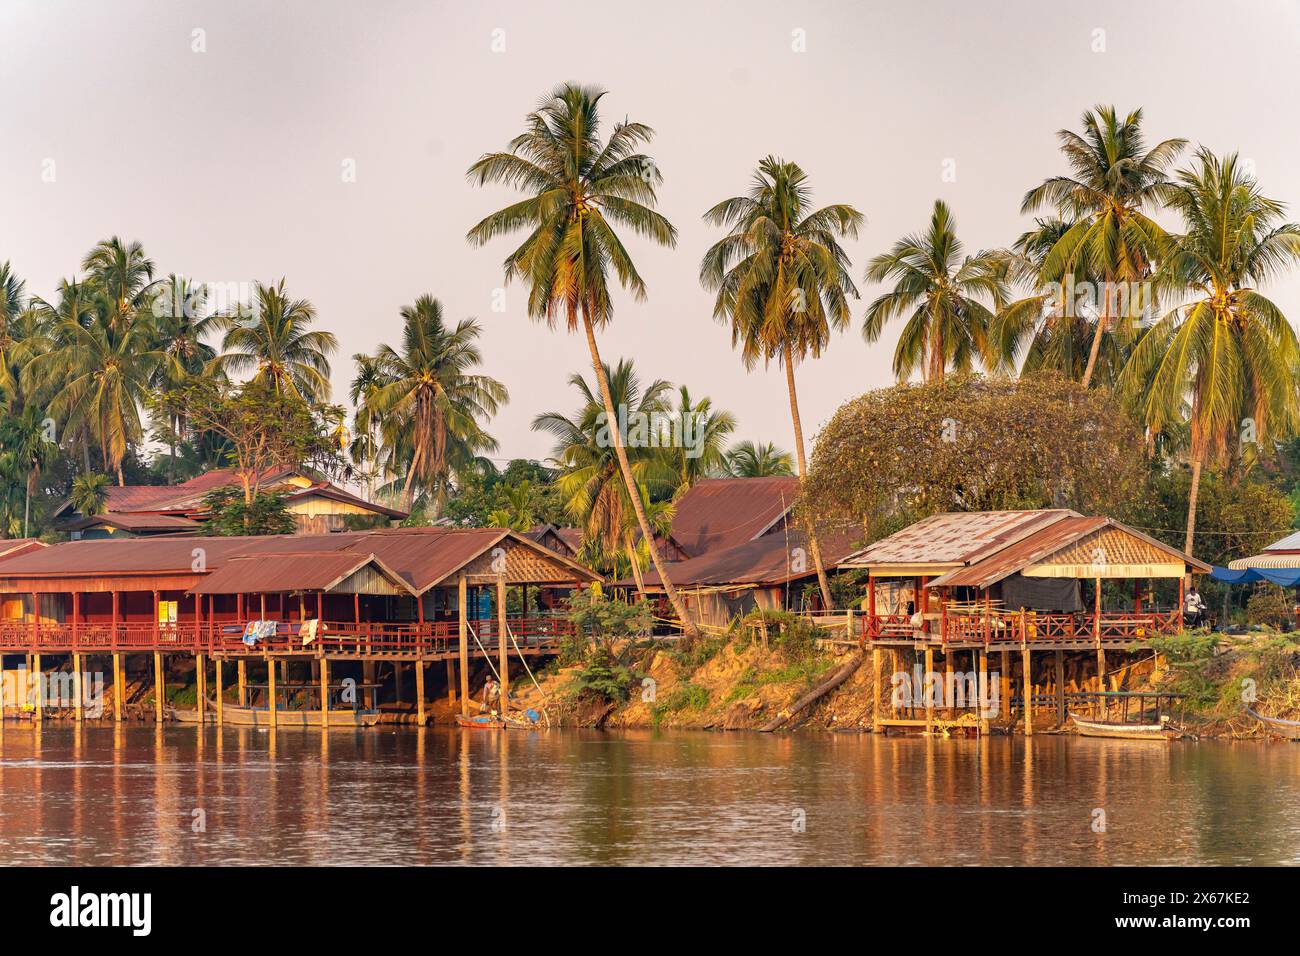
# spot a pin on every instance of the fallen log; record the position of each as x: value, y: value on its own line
x: 837, y: 677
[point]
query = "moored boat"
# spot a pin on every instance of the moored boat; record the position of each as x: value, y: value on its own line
x: 1122, y: 731
x: 238, y: 716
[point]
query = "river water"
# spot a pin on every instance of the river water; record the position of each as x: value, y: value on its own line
x: 135, y: 795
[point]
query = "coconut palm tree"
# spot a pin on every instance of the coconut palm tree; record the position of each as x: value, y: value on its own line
x: 939, y: 291
x: 277, y: 345
x: 1224, y: 359
x: 749, y: 459
x: 124, y: 274
x: 591, y: 483
x: 26, y: 451
x: 13, y: 296
x: 76, y: 305
x: 89, y: 493
x: 578, y: 190
x: 1113, y: 178
x: 695, y: 445
x: 177, y: 305
x: 429, y: 393
x: 782, y: 281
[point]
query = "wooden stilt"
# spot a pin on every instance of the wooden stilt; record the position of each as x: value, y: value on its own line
x: 39, y: 713
x: 397, y: 681
x: 984, y: 691
x: 368, y: 677
x: 76, y: 687
x: 1028, y: 691
x: 201, y: 684
x: 451, y: 684
x: 1101, y: 669
x: 241, y: 682
x: 324, y: 691
x: 119, y: 692
x: 503, y: 645
x: 159, y: 682
x: 1005, y: 689
x: 877, y: 679
x: 948, y: 663
x: 1060, y: 688
x: 221, y: 691
x: 270, y: 691
x: 925, y: 688
x: 462, y: 610
x: 419, y: 692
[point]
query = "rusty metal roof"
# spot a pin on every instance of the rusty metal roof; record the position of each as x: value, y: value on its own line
x: 129, y: 521
x: 771, y: 560
x: 12, y: 547
x: 1130, y: 547
x: 422, y: 557
x: 956, y: 538
x: 292, y: 572
x: 719, y: 513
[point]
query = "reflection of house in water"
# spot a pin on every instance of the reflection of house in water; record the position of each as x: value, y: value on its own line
x: 135, y: 511
x: 969, y: 584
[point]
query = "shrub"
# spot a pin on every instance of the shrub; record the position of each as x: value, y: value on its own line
x: 1271, y: 605
x: 603, y: 678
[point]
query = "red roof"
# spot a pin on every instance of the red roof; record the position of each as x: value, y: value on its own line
x: 719, y: 513
x: 956, y: 538
x: 770, y: 560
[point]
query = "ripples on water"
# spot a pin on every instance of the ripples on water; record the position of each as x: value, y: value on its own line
x: 106, y: 795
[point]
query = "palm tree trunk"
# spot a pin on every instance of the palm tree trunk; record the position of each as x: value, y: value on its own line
x: 617, y: 438
x: 1103, y: 323
x: 636, y: 566
x: 813, y: 546
x: 1193, y: 493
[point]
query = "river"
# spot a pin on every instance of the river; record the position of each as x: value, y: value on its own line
x: 135, y: 795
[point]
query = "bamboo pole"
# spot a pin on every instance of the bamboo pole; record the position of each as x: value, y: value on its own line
x: 119, y: 692
x: 241, y: 682
x: 503, y: 647
x: 462, y: 589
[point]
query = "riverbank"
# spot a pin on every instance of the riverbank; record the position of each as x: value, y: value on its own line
x: 742, y: 682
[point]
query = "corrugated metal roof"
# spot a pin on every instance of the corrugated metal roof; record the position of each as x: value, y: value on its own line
x: 128, y: 521
x: 770, y: 560
x: 955, y: 538
x: 422, y: 557
x: 1290, y: 543
x: 719, y: 513
x: 11, y: 548
x: 292, y: 572
x: 1052, y: 540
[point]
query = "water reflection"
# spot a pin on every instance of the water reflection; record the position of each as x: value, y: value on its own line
x: 125, y: 795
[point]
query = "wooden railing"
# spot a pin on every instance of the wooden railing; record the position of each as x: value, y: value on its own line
x: 533, y: 633
x: 1015, y: 627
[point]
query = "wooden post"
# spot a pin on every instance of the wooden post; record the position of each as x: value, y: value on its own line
x: 270, y: 690
x: 464, y: 646
x: 948, y: 667
x: 220, y: 665
x: 1028, y: 691
x: 155, y: 621
x: 848, y: 624
x: 419, y: 691
x: 926, y: 681
x: 983, y: 694
x: 115, y: 618
x: 119, y: 692
x: 503, y: 650
x: 368, y: 677
x: 241, y: 682
x: 451, y: 684
x: 39, y: 713
x: 1005, y: 689
x: 159, y: 681
x: 324, y: 692
x: 877, y: 673
x: 201, y: 684
x: 1060, y: 688
x: 76, y: 684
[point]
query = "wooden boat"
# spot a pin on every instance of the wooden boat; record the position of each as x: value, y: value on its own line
x: 1290, y: 729
x: 493, y: 722
x: 1102, y: 728
x: 237, y: 716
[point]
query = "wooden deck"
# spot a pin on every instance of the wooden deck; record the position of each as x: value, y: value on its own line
x: 1008, y: 629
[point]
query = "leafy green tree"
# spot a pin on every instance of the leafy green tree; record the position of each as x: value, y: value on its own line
x: 1224, y: 360
x: 1113, y: 178
x: 231, y: 516
x: 782, y: 281
x: 578, y: 190
x: 749, y: 459
x: 277, y: 344
x: 939, y: 291
x: 90, y: 493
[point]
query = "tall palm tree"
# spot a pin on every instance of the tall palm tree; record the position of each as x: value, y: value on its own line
x: 13, y: 296
x: 76, y: 305
x: 749, y: 459
x: 578, y: 190
x: 1225, y: 358
x: 696, y: 448
x: 1113, y: 178
x: 782, y: 282
x: 25, y: 453
x: 429, y: 393
x: 178, y: 303
x: 277, y: 344
x: 124, y: 274
x: 591, y: 483
x: 99, y: 378
x: 939, y: 291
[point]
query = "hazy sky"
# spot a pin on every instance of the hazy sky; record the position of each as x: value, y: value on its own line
x: 228, y: 164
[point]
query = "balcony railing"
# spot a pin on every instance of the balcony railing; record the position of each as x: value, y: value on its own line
x: 995, y: 626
